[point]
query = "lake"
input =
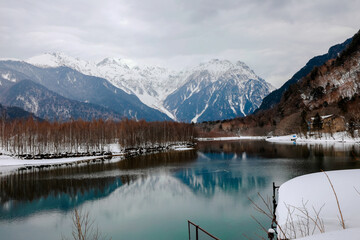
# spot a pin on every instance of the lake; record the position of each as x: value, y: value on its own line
x: 153, y: 196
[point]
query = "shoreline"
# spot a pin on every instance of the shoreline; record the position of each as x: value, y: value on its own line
x: 339, y: 137
x: 208, y: 139
x: 12, y: 164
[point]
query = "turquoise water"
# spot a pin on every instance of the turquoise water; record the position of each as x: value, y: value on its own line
x: 152, y: 197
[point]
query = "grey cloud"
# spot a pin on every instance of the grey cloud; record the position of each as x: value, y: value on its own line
x: 275, y: 37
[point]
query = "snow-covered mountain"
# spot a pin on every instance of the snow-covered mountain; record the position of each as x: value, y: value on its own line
x: 73, y: 85
x: 218, y: 89
x: 150, y: 84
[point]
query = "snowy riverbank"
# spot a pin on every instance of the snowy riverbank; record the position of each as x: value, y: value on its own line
x: 10, y: 163
x: 307, y: 206
x: 232, y: 138
x: 344, y: 137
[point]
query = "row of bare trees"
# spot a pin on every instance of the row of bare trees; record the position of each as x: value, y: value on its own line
x: 34, y: 137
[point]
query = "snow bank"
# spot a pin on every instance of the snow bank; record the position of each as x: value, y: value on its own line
x: 312, y: 193
x: 183, y: 149
x: 10, y: 164
x: 14, y: 161
x: 328, y: 137
x: 287, y: 138
x: 231, y: 138
x: 316, y: 138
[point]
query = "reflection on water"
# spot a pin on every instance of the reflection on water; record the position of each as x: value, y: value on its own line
x: 151, y: 197
x: 230, y: 175
x: 66, y: 188
x: 275, y: 150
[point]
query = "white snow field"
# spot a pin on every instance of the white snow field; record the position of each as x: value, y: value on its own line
x: 307, y: 206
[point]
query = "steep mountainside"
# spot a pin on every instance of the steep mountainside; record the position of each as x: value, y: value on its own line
x: 223, y: 89
x: 150, y: 84
x: 74, y: 85
x: 218, y: 90
x: 274, y: 97
x: 49, y: 105
x: 332, y: 89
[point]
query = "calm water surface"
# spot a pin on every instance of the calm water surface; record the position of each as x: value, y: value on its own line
x: 152, y: 197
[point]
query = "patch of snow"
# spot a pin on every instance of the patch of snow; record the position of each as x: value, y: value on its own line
x: 32, y: 105
x: 323, y: 117
x: 183, y: 149
x: 287, y: 138
x: 232, y: 138
x: 8, y: 77
x: 194, y: 120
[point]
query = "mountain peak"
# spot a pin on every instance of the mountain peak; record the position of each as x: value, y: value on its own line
x: 218, y: 68
x: 127, y: 63
x: 54, y: 59
x: 217, y: 64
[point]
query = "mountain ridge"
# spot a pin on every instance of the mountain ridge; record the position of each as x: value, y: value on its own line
x: 227, y: 87
x: 46, y: 104
x: 154, y: 85
x: 74, y: 85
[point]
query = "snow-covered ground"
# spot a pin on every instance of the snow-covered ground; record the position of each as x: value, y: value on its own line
x: 231, y: 138
x: 300, y: 198
x: 287, y: 138
x: 9, y: 164
x: 317, y: 138
x: 183, y: 149
x: 343, y: 137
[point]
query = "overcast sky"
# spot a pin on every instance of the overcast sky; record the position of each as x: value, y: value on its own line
x: 274, y: 37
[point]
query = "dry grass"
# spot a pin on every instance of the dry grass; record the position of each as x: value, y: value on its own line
x: 342, y: 222
x: 301, y: 220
